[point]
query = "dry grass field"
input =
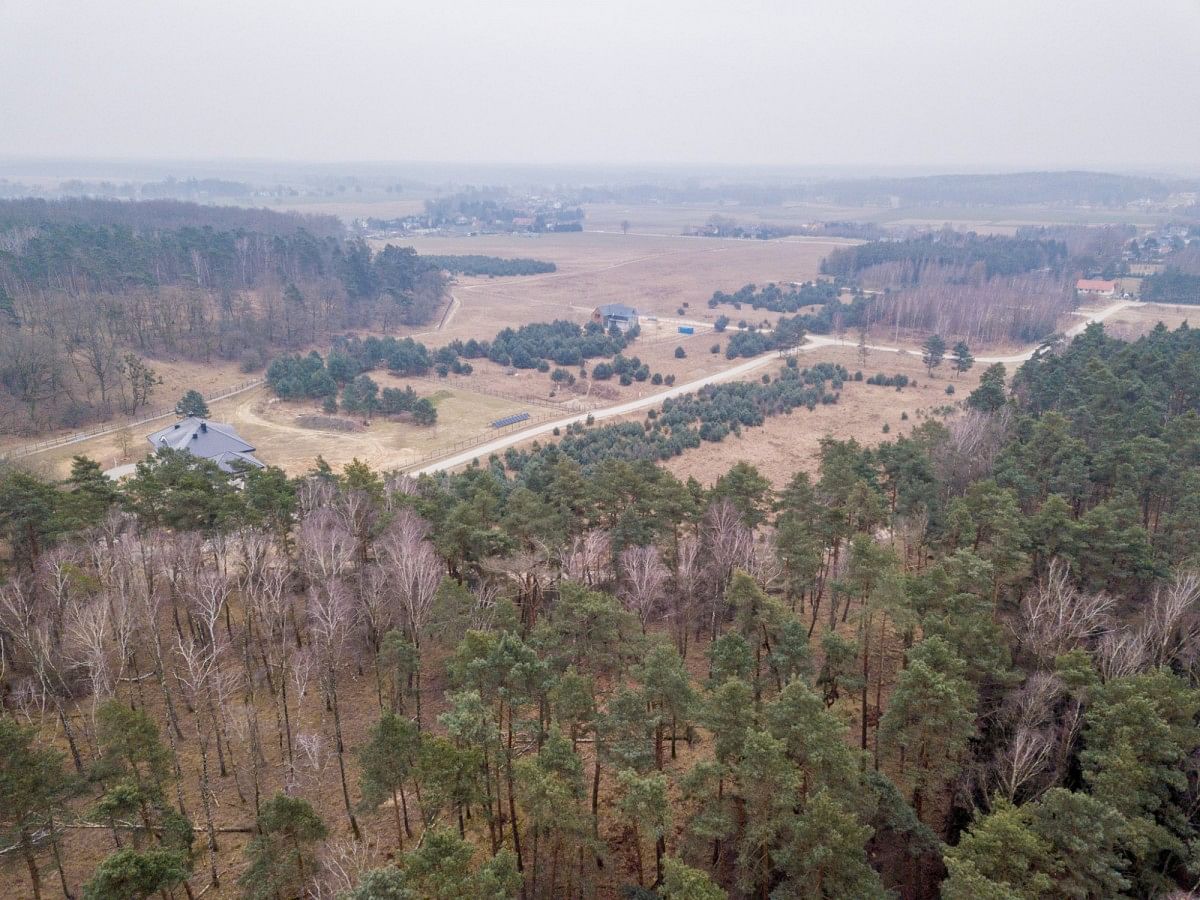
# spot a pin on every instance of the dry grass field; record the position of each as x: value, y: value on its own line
x: 272, y: 426
x: 1134, y: 321
x: 786, y: 444
x: 655, y: 274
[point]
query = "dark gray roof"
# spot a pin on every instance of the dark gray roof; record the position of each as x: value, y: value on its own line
x: 211, y: 440
x: 619, y: 310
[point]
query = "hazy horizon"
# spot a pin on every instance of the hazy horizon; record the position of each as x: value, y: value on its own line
x: 863, y: 87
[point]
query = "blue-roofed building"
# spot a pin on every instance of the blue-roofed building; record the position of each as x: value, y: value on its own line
x: 216, y: 441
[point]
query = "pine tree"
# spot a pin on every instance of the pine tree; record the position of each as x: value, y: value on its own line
x: 930, y: 718
x: 281, y: 860
x: 933, y: 351
x: 667, y: 688
x: 385, y: 883
x: 825, y: 858
x: 1063, y: 845
x: 767, y: 790
x: 192, y: 403
x: 33, y: 786
x: 991, y: 394
x: 815, y: 741
x: 682, y: 882
x: 963, y: 359
x: 441, y: 869
x: 551, y: 790
x: 387, y: 761
x: 642, y: 803
x: 132, y: 874
x: 135, y: 768
x: 90, y: 495
x: 729, y: 714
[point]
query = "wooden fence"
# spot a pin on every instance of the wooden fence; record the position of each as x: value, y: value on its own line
x: 77, y: 437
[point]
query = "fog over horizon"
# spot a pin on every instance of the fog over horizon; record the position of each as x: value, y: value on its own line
x: 772, y: 86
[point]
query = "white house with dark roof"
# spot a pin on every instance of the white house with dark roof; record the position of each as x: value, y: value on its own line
x: 216, y: 441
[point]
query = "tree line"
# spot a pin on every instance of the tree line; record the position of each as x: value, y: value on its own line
x: 958, y: 663
x: 476, y: 265
x: 997, y: 254
x: 1171, y: 285
x: 710, y: 414
x: 84, y: 284
x: 789, y: 298
x: 534, y: 346
x: 788, y: 333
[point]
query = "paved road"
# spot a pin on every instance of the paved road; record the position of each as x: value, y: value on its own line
x: 608, y: 412
x: 814, y: 342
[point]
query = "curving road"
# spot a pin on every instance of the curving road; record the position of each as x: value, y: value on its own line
x: 814, y: 342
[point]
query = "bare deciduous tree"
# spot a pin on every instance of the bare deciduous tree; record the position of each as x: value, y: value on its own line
x: 728, y: 544
x: 689, y: 573
x: 1121, y: 653
x: 200, y: 656
x: 1021, y: 767
x: 24, y: 621
x: 643, y: 577
x: 1171, y: 627
x: 1055, y: 616
x: 589, y: 558
x: 326, y: 547
x: 333, y: 616
x: 415, y: 572
x: 975, y: 439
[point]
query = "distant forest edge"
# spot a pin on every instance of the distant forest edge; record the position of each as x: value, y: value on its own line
x: 1060, y: 189
x: 90, y: 288
x: 1007, y: 189
x: 163, y: 215
x: 1098, y: 188
x: 979, y: 289
x: 1172, y: 286
x: 474, y: 264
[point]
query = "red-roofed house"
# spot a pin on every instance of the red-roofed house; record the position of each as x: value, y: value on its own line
x: 1097, y: 286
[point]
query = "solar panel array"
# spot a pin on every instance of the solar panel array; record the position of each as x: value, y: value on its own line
x: 510, y: 420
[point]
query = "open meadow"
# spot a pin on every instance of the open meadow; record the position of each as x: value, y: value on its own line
x: 656, y: 274
x: 789, y: 443
x: 1134, y: 321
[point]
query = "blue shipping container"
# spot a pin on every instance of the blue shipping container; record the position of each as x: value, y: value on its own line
x: 686, y: 329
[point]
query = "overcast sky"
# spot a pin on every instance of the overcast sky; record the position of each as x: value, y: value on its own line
x: 963, y: 84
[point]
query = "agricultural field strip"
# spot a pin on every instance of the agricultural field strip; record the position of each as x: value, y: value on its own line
x: 814, y: 342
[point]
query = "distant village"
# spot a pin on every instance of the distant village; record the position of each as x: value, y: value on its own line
x: 473, y: 213
x: 1143, y: 256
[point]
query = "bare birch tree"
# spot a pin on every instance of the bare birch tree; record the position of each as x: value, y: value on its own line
x: 643, y: 577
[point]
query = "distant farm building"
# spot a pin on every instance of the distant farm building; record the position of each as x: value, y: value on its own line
x: 215, y: 441
x: 1096, y: 286
x: 624, y: 317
